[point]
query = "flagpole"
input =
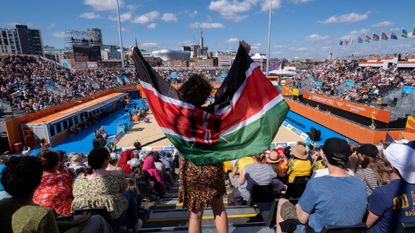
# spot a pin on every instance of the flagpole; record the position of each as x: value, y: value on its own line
x: 120, y: 36
x: 269, y: 36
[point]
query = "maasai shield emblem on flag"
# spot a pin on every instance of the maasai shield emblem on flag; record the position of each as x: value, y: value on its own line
x: 243, y: 120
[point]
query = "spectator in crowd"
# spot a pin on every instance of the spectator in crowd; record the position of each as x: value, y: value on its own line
x: 157, y: 161
x: 393, y: 203
x: 238, y: 169
x: 299, y: 165
x: 21, y: 177
x: 257, y: 173
x: 98, y: 188
x: 166, y: 159
x: 112, y: 165
x: 55, y: 189
x: 320, y: 203
x: 76, y: 166
x: 3, y: 160
x: 125, y: 156
x: 150, y: 167
x: 134, y: 164
x: 274, y: 160
x: 372, y: 170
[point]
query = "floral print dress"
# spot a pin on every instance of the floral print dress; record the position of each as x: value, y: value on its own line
x: 200, y: 185
x: 55, y: 192
x: 103, y: 192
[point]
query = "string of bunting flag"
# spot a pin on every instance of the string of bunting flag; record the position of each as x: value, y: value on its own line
x: 375, y: 37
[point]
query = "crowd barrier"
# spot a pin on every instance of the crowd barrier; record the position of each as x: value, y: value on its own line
x: 344, y: 127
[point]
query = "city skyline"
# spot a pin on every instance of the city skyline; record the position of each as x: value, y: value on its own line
x: 301, y: 28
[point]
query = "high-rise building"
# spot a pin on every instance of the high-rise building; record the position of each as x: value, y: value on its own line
x: 21, y: 40
x: 225, y: 58
x: 92, y: 36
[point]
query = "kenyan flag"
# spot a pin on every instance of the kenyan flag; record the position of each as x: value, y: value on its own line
x: 243, y: 120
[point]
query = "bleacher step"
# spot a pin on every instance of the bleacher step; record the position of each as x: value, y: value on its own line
x: 182, y: 214
x: 234, y: 228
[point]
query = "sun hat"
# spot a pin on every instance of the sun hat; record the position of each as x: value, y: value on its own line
x: 273, y: 157
x: 402, y: 157
x: 134, y: 162
x: 299, y: 151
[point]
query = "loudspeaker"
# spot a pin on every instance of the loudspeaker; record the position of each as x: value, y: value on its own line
x: 314, y: 134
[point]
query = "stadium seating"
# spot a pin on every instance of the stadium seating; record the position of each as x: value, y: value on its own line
x: 296, y: 189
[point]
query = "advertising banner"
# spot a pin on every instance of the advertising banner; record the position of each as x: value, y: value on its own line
x: 359, y: 109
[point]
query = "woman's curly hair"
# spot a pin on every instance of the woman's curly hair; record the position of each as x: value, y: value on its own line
x: 195, y: 90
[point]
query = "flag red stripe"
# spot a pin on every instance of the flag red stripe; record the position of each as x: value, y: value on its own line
x: 180, y: 120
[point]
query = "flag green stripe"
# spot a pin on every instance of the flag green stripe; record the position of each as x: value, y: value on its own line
x: 248, y: 140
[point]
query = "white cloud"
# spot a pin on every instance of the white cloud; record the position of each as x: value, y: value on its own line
x: 151, y: 26
x: 346, y: 18
x: 302, y: 49
x: 314, y: 37
x: 279, y: 46
x: 147, y: 17
x: 300, y: 1
x: 383, y: 24
x: 236, y: 11
x: 103, y: 5
x: 169, y: 17
x: 123, y: 17
x: 266, y: 4
x: 361, y: 31
x: 90, y: 15
x: 186, y: 43
x: 230, y: 10
x: 58, y: 34
x: 149, y: 45
x: 256, y: 46
x: 232, y: 40
x: 207, y: 25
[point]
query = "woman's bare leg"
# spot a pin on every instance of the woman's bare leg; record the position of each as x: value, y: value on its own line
x: 195, y: 222
x: 219, y: 213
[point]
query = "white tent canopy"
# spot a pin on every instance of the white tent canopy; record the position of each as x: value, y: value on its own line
x: 258, y: 56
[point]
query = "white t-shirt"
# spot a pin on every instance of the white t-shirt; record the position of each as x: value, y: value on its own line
x: 325, y: 172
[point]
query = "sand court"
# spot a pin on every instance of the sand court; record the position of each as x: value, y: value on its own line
x: 149, y: 132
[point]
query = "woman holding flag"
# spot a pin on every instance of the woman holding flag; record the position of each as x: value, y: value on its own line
x: 243, y: 120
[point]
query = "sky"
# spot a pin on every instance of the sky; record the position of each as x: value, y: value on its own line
x: 300, y: 28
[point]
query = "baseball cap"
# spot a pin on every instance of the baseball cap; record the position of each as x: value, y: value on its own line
x: 402, y: 157
x: 337, y: 152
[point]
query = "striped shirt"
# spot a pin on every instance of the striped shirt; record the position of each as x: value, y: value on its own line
x: 256, y: 174
x: 368, y: 176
